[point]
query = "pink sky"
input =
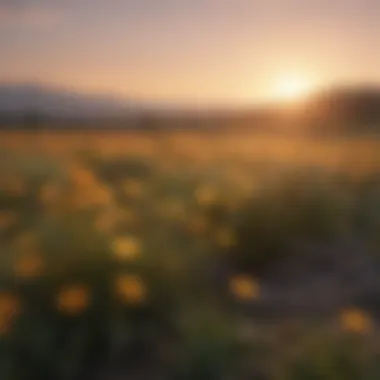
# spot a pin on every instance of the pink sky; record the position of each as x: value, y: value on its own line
x: 189, y: 50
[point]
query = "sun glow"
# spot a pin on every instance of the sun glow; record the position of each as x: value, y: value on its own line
x: 292, y: 88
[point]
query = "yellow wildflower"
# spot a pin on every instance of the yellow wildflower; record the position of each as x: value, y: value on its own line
x: 244, y: 287
x: 355, y: 320
x: 80, y: 176
x: 9, y: 308
x: 206, y: 195
x: 130, y: 288
x: 28, y: 266
x: 99, y: 194
x: 127, y: 247
x: 94, y: 195
x: 7, y: 219
x: 73, y: 299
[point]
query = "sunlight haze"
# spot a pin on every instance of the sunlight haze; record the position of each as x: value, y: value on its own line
x: 202, y: 51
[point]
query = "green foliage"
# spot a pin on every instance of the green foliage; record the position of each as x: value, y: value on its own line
x: 335, y: 359
x: 171, y: 313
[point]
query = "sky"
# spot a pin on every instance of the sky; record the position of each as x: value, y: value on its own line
x: 189, y: 51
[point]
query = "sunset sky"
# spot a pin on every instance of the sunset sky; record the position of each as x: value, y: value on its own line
x: 189, y: 51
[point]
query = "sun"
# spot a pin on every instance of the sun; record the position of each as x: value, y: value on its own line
x: 292, y: 87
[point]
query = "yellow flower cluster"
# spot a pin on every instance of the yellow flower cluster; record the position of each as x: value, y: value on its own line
x: 73, y: 299
x: 355, y: 320
x: 96, y: 195
x: 81, y: 177
x: 244, y: 288
x: 130, y: 288
x: 86, y: 190
x: 127, y: 248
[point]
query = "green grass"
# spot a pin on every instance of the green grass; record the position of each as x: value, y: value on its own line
x: 184, y: 322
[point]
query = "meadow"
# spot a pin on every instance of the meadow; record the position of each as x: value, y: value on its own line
x: 189, y: 255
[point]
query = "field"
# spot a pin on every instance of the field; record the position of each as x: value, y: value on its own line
x: 189, y: 255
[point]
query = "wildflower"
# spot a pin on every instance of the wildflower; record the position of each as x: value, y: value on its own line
x: 7, y: 219
x: 127, y: 247
x: 94, y: 195
x: 9, y: 308
x: 355, y: 320
x: 244, y: 287
x: 130, y: 288
x: 99, y: 195
x: 206, y: 195
x: 81, y: 177
x: 28, y: 266
x: 73, y: 299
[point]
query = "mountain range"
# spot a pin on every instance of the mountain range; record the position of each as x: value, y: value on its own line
x: 58, y: 102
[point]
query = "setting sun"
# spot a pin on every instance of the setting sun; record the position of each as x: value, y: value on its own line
x: 292, y: 87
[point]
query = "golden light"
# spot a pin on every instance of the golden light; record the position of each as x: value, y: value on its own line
x: 292, y: 87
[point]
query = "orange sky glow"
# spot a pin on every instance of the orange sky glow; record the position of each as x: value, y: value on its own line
x: 236, y: 52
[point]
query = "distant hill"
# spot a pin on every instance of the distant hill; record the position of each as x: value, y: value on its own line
x: 345, y: 109
x: 17, y: 101
x: 55, y: 107
x: 342, y: 110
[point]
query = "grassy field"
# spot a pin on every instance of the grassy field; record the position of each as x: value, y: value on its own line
x: 188, y: 256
